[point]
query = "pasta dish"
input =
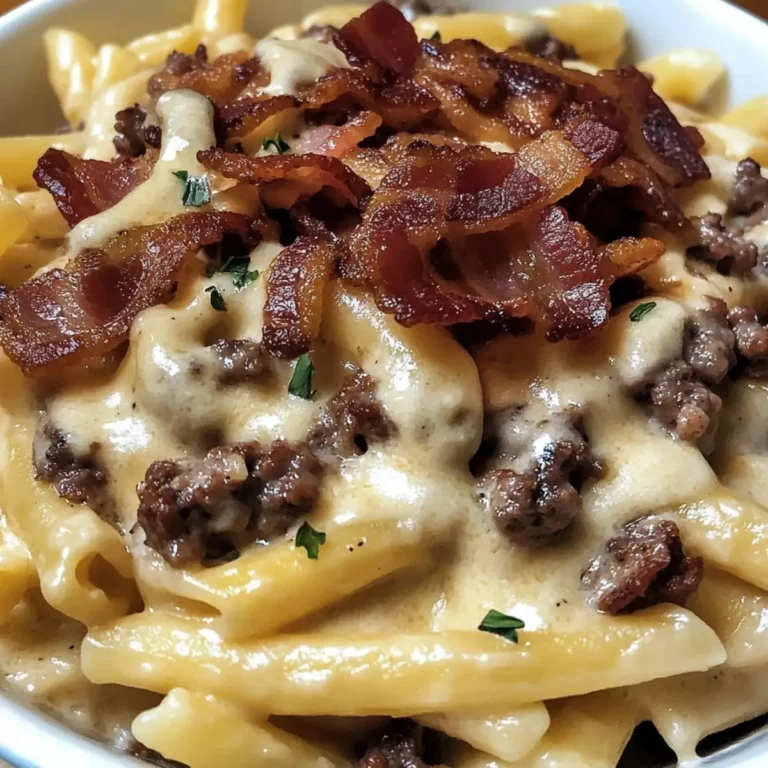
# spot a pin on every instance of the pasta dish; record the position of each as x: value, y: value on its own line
x: 385, y: 392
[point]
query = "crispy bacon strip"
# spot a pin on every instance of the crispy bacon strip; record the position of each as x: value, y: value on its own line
x: 83, y: 188
x: 222, y: 80
x: 295, y: 285
x: 381, y: 35
x: 73, y: 314
x: 287, y: 178
x: 338, y: 140
x: 453, y: 236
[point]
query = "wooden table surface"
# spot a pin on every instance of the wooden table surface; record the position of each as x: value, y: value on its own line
x: 758, y: 7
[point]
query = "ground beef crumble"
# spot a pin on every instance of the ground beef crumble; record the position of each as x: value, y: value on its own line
x: 709, y: 342
x: 682, y: 403
x: 401, y: 744
x: 643, y: 566
x: 133, y: 136
x: 749, y: 196
x: 727, y: 249
x: 351, y: 421
x: 206, y: 510
x: 76, y: 477
x: 535, y: 473
x: 721, y: 239
x: 203, y: 510
x: 239, y: 361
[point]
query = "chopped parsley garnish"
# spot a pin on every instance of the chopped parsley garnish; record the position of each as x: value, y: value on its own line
x: 238, y: 267
x: 300, y: 384
x: 310, y: 539
x: 436, y: 36
x: 641, y: 310
x: 276, y: 141
x: 500, y: 624
x: 196, y: 192
x: 217, y: 300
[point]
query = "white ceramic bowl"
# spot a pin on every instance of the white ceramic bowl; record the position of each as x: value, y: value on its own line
x: 31, y: 740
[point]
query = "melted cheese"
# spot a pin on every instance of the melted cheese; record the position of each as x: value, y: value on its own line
x: 292, y: 63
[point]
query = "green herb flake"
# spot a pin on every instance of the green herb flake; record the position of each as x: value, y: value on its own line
x: 500, y: 624
x: 300, y: 384
x: 641, y: 310
x: 437, y: 36
x: 217, y: 300
x: 310, y: 539
x: 277, y: 142
x: 196, y: 192
x: 238, y: 267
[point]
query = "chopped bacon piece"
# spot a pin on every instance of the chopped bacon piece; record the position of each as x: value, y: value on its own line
x: 381, y: 35
x: 286, y: 178
x: 72, y: 314
x: 654, y: 133
x: 83, y: 188
x: 435, y: 244
x: 295, y: 285
x: 338, y: 140
x: 221, y: 80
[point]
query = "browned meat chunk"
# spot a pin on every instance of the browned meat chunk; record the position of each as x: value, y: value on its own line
x: 643, y: 566
x: 351, y: 421
x: 133, y: 136
x: 76, y: 477
x: 725, y: 248
x: 399, y: 745
x: 749, y: 196
x: 535, y: 475
x: 682, y: 403
x: 551, y: 47
x: 239, y: 361
x: 751, y: 336
x: 208, y: 509
x: 709, y: 343
x: 182, y: 63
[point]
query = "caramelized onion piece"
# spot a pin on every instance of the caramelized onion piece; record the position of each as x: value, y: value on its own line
x: 287, y: 178
x: 70, y: 315
x: 295, y: 285
x: 83, y: 188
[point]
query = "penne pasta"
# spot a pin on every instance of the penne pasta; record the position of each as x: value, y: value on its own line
x: 71, y: 70
x: 267, y: 588
x: 220, y: 17
x: 587, y: 732
x: 686, y: 76
x: 113, y: 64
x: 510, y: 736
x: 152, y: 50
x: 738, y: 612
x: 19, y: 155
x: 83, y: 565
x: 205, y: 732
x: 17, y: 572
x: 400, y: 674
x: 730, y: 532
